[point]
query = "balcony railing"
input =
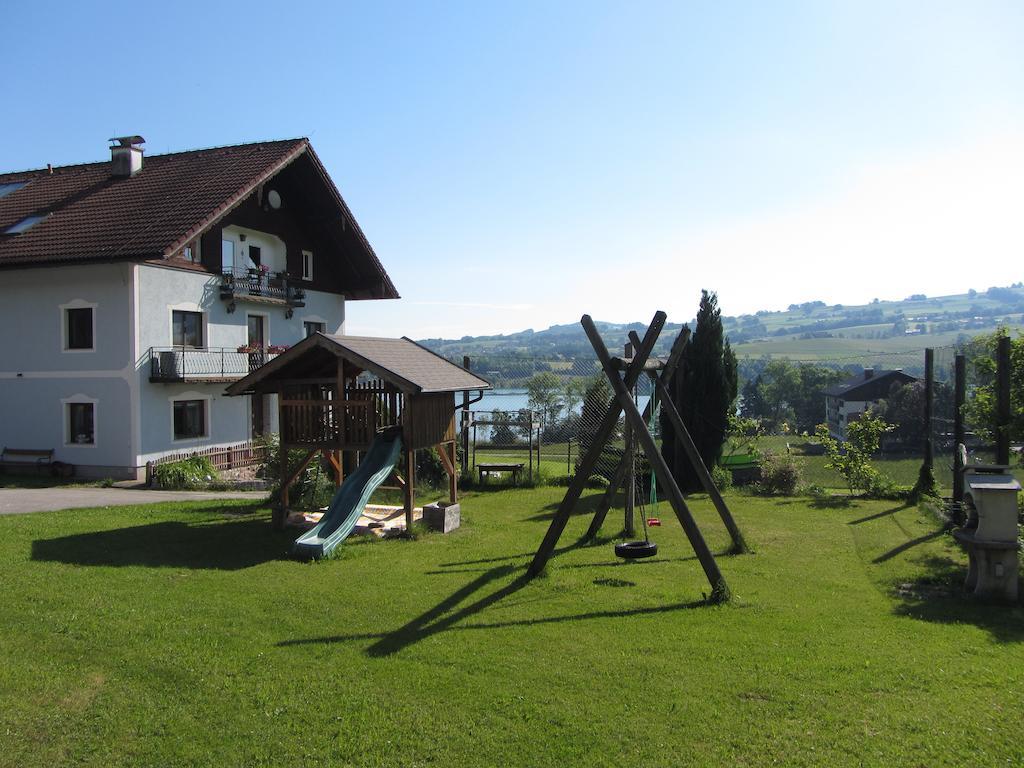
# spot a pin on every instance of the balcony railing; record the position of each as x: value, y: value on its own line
x: 263, y: 287
x: 168, y: 364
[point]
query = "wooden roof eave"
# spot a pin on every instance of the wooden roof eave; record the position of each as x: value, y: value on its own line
x: 251, y: 383
x: 387, y: 286
x: 235, y: 200
x: 248, y: 384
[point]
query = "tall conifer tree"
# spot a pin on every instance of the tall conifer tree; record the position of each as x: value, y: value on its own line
x: 704, y: 390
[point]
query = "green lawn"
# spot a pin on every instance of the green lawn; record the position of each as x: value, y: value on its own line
x: 180, y: 635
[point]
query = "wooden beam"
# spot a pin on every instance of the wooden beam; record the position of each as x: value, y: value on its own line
x: 674, y: 358
x: 683, y: 435
x: 739, y: 545
x: 281, y: 514
x: 719, y: 588
x: 447, y: 453
x: 410, y: 490
x: 332, y: 457
x: 589, y: 460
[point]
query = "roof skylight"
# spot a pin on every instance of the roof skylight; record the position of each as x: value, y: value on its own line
x: 11, y: 186
x: 27, y: 223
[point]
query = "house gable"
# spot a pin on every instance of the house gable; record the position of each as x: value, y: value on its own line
x: 89, y: 215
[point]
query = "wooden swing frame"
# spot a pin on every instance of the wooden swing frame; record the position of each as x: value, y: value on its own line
x: 622, y: 402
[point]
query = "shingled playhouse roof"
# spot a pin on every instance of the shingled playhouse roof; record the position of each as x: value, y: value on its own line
x: 410, y: 367
x: 90, y: 214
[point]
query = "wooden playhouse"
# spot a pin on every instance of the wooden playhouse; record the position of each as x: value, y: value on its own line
x: 335, y: 393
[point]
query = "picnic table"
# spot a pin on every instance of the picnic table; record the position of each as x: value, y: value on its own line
x: 497, y: 468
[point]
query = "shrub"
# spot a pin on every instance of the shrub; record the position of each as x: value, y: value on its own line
x: 852, y: 459
x: 780, y: 475
x: 721, y: 477
x: 187, y: 473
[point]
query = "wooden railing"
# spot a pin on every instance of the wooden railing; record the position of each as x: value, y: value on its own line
x: 318, y: 422
x: 231, y: 457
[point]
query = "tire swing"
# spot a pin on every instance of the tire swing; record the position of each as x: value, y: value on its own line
x: 637, y: 550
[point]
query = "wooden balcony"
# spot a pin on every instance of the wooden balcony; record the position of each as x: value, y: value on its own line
x: 256, y: 287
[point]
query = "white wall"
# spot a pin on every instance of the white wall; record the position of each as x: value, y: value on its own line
x: 229, y: 418
x: 132, y: 312
x: 38, y: 377
x: 272, y: 249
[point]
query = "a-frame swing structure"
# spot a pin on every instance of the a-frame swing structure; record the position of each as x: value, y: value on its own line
x: 622, y: 402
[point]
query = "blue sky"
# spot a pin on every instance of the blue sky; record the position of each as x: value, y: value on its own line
x: 516, y: 165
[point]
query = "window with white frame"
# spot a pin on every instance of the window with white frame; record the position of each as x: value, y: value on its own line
x: 190, y: 419
x: 186, y: 328
x: 78, y: 327
x: 307, y: 265
x: 79, y: 421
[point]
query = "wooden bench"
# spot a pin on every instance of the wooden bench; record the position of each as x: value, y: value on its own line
x: 20, y: 459
x: 486, y: 469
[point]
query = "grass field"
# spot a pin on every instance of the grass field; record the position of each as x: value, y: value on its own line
x: 838, y: 349
x: 902, y: 470
x: 183, y: 635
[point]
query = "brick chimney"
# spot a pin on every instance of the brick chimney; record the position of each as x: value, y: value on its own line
x: 126, y: 155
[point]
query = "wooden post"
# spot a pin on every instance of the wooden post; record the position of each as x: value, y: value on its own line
x: 1003, y: 400
x: 926, y: 485
x: 529, y: 441
x: 959, y: 398
x: 929, y: 406
x: 340, y: 412
x: 589, y: 460
x: 446, y: 452
x: 287, y: 478
x: 453, y: 477
x: 540, y: 435
x: 465, y: 421
x: 629, y: 455
x: 410, y: 487
x: 683, y: 436
x: 280, y: 513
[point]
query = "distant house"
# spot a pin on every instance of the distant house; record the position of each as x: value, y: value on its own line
x: 132, y: 292
x: 846, y: 402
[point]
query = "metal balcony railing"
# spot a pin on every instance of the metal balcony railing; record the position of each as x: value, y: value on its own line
x: 255, y: 285
x: 167, y: 364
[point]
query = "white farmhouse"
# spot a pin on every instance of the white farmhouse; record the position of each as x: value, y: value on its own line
x: 847, y: 402
x: 133, y: 290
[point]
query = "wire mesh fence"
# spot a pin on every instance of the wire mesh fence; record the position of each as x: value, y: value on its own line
x: 542, y: 413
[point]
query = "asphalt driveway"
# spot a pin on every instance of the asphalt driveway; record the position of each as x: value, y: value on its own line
x: 17, y: 501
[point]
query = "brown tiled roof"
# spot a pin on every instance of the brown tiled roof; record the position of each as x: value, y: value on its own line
x: 402, y: 362
x: 404, y: 359
x: 92, y: 215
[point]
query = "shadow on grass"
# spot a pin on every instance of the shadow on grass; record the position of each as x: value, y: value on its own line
x: 447, y: 614
x: 879, y: 515
x: 907, y: 545
x: 586, y: 505
x: 581, y: 542
x: 220, y: 545
x: 939, y: 596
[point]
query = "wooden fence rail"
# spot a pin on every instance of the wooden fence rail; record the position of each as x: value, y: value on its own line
x: 222, y: 458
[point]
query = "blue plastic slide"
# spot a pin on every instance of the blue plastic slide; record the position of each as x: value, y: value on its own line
x: 348, y: 503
